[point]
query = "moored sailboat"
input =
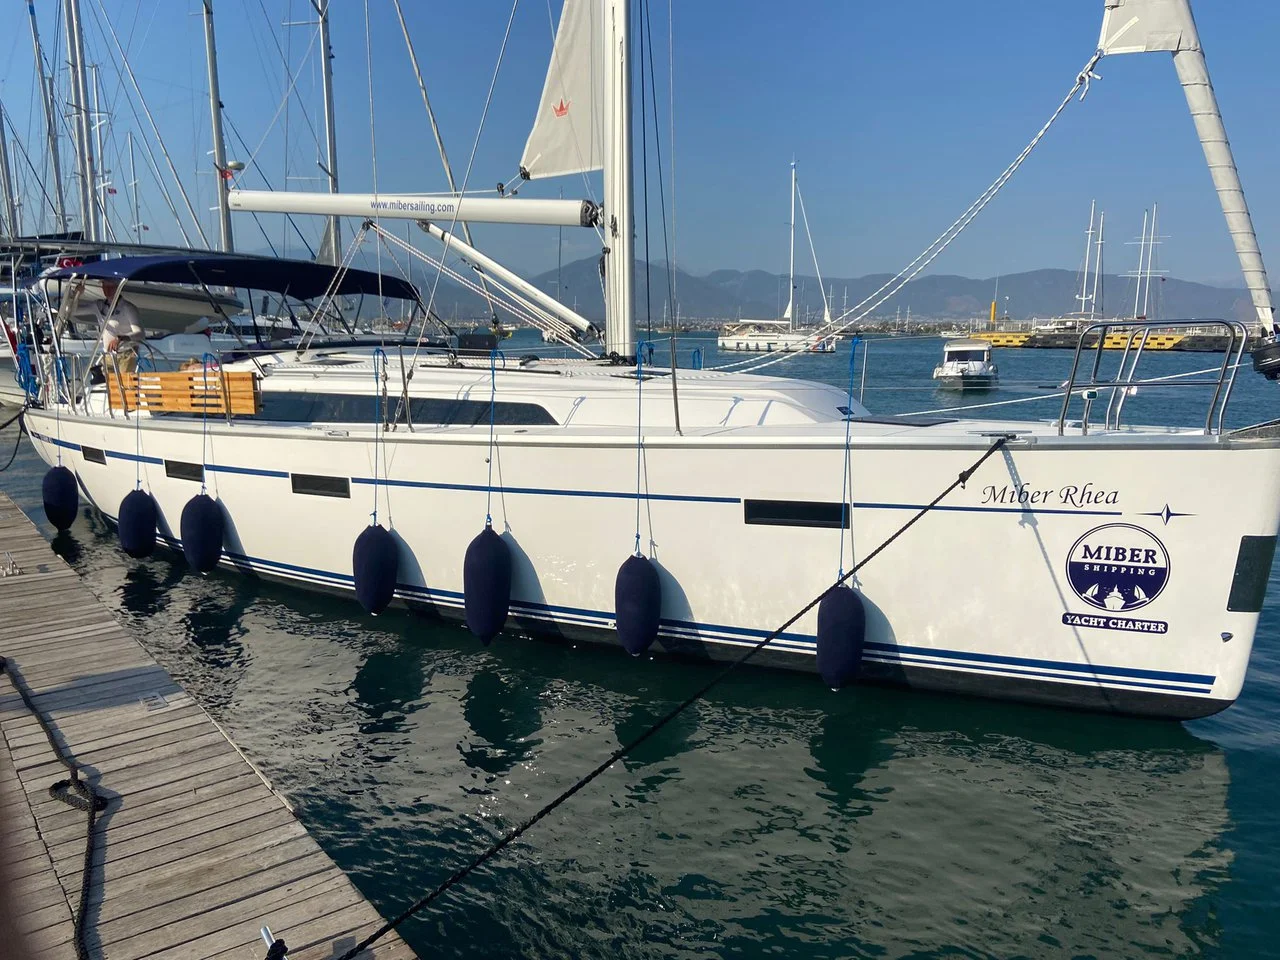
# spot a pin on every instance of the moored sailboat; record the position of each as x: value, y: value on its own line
x: 744, y: 495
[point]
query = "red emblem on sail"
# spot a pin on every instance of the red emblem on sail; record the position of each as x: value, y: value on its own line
x: 561, y: 108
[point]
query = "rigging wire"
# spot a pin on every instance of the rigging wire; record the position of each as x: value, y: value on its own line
x: 466, y: 176
x: 944, y: 239
x: 133, y: 80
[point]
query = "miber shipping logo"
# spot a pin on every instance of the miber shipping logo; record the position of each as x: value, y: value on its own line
x: 1118, y: 567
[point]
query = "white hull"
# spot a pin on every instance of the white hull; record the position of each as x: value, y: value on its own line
x: 975, y: 598
x: 775, y: 343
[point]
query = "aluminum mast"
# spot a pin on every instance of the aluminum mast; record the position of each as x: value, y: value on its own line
x: 6, y: 182
x: 330, y: 248
x: 80, y: 106
x: 619, y: 255
x: 219, y: 145
x: 50, y: 123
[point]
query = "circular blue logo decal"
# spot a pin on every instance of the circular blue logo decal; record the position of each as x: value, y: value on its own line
x: 1118, y: 567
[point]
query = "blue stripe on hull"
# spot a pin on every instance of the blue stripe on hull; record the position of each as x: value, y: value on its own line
x: 1057, y: 671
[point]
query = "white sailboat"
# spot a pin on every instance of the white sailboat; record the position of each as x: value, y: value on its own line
x: 744, y: 493
x: 779, y: 336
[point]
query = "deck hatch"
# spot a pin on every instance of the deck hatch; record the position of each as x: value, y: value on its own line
x: 180, y: 470
x: 93, y: 454
x: 795, y: 513
x: 317, y: 486
x: 1253, y: 568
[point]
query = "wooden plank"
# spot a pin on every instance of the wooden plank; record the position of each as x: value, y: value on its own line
x: 195, y: 850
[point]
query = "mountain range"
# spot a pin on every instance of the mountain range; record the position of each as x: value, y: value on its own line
x: 757, y: 294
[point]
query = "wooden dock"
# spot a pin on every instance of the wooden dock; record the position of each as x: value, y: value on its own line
x: 195, y: 851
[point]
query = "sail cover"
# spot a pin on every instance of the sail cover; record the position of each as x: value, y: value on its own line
x: 568, y: 131
x: 1147, y: 26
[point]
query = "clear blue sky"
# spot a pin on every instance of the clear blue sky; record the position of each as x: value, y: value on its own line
x: 899, y: 114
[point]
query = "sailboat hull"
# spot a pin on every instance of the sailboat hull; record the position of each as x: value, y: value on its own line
x: 982, y: 596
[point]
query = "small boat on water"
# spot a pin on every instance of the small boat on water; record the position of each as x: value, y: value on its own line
x: 781, y: 336
x: 966, y: 365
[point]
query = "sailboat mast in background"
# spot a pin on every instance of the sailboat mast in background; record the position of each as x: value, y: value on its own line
x: 50, y: 124
x: 219, y: 145
x: 80, y: 107
x: 331, y: 247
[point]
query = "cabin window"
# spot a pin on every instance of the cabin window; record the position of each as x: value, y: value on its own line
x: 93, y: 454
x: 317, y: 486
x: 967, y: 355
x: 179, y: 470
x: 795, y: 513
x: 308, y: 407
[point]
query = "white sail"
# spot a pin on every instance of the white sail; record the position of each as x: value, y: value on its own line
x: 568, y: 131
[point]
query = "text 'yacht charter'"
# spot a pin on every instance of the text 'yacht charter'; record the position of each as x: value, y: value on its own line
x: 1080, y: 561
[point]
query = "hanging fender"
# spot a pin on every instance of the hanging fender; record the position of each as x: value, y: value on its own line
x: 61, y: 497
x: 136, y: 524
x: 375, y: 565
x: 486, y: 584
x: 637, y: 601
x: 203, y: 526
x: 842, y: 630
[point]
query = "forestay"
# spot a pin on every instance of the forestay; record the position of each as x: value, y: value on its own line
x: 568, y: 130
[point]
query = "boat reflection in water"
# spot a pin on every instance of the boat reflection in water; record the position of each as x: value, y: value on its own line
x: 765, y: 817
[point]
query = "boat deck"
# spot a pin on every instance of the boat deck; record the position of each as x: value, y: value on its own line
x: 195, y: 851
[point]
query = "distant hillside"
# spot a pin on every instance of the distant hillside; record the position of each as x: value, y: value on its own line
x: 727, y: 294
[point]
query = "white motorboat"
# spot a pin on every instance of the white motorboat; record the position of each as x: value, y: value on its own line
x: 1084, y: 561
x: 966, y: 365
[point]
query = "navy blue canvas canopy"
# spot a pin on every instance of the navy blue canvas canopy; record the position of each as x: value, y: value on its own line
x: 300, y: 279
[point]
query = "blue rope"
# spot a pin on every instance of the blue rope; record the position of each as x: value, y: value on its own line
x: 844, y: 480
x: 639, y: 432
x: 493, y: 403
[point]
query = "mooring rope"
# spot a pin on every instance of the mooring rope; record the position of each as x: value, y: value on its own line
x: 516, y: 832
x: 22, y: 425
x: 74, y: 792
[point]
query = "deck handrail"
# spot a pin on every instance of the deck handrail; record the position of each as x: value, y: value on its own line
x: 1123, y: 383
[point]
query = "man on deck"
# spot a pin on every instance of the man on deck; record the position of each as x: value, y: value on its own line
x: 121, y: 327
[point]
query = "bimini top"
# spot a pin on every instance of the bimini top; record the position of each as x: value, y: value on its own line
x: 300, y: 279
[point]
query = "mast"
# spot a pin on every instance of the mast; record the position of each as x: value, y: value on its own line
x: 80, y: 107
x: 1097, y: 269
x: 1151, y: 256
x: 12, y: 226
x: 1142, y: 251
x: 332, y: 245
x: 133, y: 186
x: 50, y: 124
x: 219, y: 145
x: 619, y: 256
x: 103, y: 174
x: 1088, y: 255
x: 791, y: 268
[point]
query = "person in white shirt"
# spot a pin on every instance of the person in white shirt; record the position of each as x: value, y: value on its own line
x: 121, y: 327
